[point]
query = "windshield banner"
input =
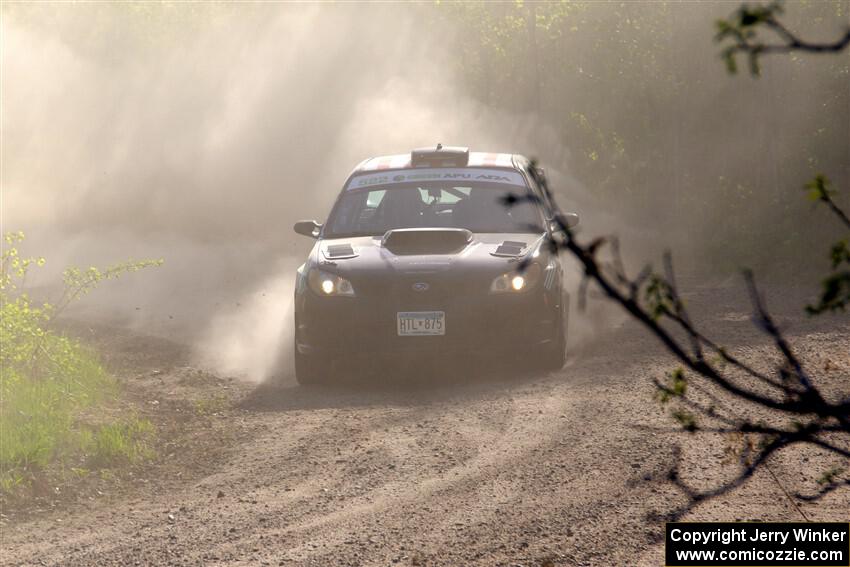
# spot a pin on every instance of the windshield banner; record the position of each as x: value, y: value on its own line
x: 455, y: 175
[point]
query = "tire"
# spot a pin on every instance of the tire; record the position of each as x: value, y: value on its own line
x: 310, y: 370
x: 554, y: 354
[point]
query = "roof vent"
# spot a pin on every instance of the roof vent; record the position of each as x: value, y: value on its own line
x: 441, y: 156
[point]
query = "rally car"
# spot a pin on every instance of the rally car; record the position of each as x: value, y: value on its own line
x: 421, y: 256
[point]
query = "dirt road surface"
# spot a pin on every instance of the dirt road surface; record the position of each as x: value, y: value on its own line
x: 493, y: 467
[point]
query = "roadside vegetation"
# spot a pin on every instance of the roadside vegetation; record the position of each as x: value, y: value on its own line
x: 57, y: 401
x: 636, y: 106
x: 781, y: 403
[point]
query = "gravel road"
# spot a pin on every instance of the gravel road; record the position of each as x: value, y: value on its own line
x: 492, y: 467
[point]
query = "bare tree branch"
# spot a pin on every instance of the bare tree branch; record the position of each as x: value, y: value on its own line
x: 793, y: 399
x: 742, y: 31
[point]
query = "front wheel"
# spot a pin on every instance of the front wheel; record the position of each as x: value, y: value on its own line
x: 554, y: 354
x: 311, y: 370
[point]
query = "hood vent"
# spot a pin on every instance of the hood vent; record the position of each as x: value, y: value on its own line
x: 339, y: 251
x: 509, y: 248
x: 420, y: 241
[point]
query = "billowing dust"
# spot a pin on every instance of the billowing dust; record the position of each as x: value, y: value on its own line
x: 199, y: 133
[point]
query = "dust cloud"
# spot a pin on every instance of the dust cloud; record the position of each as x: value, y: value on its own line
x: 255, y: 340
x: 198, y: 133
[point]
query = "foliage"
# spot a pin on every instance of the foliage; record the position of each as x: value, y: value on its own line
x: 121, y: 442
x: 795, y: 397
x: 712, y: 384
x: 47, y: 380
x: 835, y: 294
x: 714, y: 391
x: 741, y: 33
x: 626, y: 98
x: 80, y: 282
x: 37, y: 421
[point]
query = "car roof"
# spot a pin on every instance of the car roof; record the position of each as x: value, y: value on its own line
x: 476, y: 159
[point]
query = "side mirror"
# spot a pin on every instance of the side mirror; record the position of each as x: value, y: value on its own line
x: 541, y: 172
x: 309, y: 228
x: 569, y: 220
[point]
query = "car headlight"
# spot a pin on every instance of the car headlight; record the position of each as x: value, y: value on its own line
x: 323, y: 283
x: 518, y: 281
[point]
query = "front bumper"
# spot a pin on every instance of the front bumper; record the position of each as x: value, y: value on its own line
x: 503, y: 324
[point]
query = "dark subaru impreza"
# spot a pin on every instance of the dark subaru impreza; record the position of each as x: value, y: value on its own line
x: 420, y: 256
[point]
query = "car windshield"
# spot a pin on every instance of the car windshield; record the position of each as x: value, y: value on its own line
x: 477, y: 207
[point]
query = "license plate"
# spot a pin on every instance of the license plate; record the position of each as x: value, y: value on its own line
x: 418, y: 323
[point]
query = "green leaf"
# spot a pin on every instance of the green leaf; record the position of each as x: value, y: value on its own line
x: 818, y: 188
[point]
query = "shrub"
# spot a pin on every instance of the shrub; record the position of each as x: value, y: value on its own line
x: 47, y: 379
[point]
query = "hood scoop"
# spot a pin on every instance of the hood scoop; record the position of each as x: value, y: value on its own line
x: 510, y: 249
x: 420, y: 241
x: 339, y: 252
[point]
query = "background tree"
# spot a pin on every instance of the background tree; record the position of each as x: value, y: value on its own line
x: 649, y: 127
